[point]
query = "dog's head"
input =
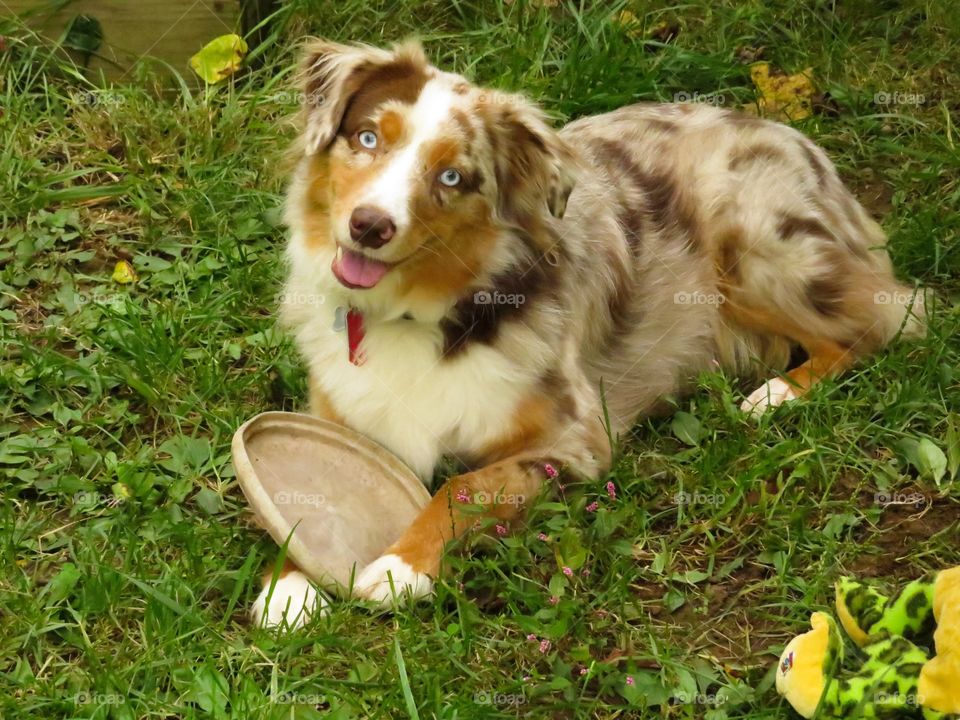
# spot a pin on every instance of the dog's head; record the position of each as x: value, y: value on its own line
x: 421, y: 183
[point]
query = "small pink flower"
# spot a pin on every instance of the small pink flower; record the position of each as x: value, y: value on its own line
x: 550, y: 470
x: 567, y: 571
x: 542, y: 536
x: 592, y: 507
x: 527, y: 678
x: 583, y: 671
x: 612, y: 490
x: 501, y: 530
x: 531, y: 637
x: 554, y: 599
x: 544, y: 646
x: 629, y: 679
x: 585, y: 572
x: 462, y: 495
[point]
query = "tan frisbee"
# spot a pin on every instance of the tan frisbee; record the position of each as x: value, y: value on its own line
x: 345, y: 498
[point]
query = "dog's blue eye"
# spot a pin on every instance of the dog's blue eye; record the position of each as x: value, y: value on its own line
x: 450, y: 177
x: 368, y: 139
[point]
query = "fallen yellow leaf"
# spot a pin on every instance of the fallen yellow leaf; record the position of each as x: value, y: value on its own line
x: 123, y: 273
x: 121, y: 492
x: 630, y: 23
x: 220, y: 58
x: 782, y: 96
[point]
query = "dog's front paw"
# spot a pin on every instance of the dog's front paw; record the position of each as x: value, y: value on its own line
x: 389, y: 578
x: 772, y: 393
x: 292, y: 601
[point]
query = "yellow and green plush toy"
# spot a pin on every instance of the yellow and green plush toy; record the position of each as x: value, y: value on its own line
x: 895, y: 676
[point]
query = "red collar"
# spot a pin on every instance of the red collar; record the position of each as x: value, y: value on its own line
x: 355, y: 333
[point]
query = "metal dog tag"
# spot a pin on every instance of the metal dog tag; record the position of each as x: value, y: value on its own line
x: 340, y: 319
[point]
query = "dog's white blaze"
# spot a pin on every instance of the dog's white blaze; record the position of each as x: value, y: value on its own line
x: 391, y: 191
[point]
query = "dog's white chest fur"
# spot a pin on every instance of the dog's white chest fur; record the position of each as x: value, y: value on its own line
x: 404, y: 395
x: 408, y: 399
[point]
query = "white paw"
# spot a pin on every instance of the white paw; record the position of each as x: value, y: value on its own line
x: 771, y: 394
x: 387, y: 577
x: 293, y: 600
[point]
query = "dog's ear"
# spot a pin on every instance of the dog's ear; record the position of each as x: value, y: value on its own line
x: 332, y: 73
x: 535, y: 168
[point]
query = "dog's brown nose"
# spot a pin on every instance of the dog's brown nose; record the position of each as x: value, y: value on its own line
x: 371, y: 227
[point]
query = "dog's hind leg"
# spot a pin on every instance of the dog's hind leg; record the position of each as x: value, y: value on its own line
x: 803, y: 261
x: 825, y: 360
x: 827, y: 356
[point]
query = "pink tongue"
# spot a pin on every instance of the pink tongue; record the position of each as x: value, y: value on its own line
x: 359, y: 270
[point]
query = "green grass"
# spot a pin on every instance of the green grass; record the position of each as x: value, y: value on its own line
x: 137, y: 609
